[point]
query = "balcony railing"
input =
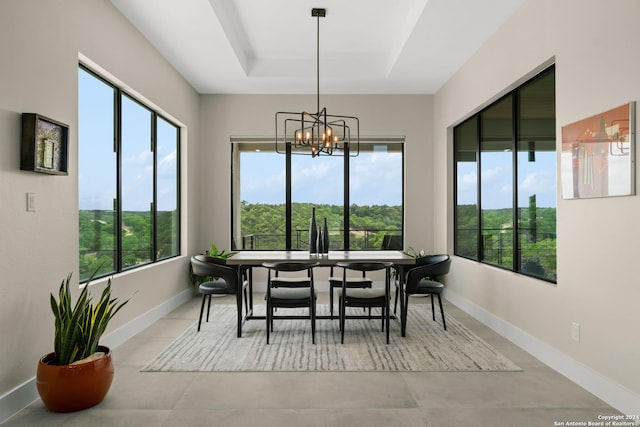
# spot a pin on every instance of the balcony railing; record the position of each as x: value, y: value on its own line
x: 359, y: 239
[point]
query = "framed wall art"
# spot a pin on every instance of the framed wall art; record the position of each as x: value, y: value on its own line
x: 44, y: 145
x: 598, y: 155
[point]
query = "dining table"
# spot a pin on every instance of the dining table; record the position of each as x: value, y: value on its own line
x: 246, y: 260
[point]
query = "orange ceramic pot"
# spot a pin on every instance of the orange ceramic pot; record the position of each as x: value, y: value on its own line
x: 68, y: 388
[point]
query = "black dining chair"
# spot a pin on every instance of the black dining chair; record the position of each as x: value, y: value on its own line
x: 389, y: 242
x: 224, y: 280
x: 423, y: 280
x: 286, y: 291
x: 335, y: 282
x: 368, y: 297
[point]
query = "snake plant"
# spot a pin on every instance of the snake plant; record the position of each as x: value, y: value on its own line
x: 79, y: 326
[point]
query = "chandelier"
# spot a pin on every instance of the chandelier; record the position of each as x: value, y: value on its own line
x: 317, y: 133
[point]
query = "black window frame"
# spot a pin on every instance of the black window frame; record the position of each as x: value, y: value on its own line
x: 516, y: 248
x: 235, y: 246
x: 119, y: 93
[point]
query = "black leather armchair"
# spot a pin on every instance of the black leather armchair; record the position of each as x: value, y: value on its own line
x: 225, y: 280
x: 422, y: 280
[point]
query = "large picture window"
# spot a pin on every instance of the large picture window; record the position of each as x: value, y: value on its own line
x: 505, y: 180
x: 361, y: 197
x: 128, y: 180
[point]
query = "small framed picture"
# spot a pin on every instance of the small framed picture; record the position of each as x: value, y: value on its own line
x: 44, y: 145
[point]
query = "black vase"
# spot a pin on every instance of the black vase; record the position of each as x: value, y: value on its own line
x: 320, y: 240
x: 313, y: 233
x: 325, y: 237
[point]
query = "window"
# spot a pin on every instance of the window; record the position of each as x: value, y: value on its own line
x: 370, y: 185
x: 128, y: 180
x: 505, y: 181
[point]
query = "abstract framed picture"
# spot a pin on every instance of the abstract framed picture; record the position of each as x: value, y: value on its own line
x: 598, y: 155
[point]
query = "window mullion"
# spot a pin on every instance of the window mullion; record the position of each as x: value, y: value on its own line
x: 288, y: 230
x: 154, y: 197
x: 118, y: 202
x: 480, y: 242
x: 514, y: 148
x: 346, y: 210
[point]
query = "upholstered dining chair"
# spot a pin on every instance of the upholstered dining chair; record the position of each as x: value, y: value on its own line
x: 422, y: 280
x: 389, y: 242
x: 354, y: 281
x: 287, y: 291
x: 224, y: 280
x: 368, y: 297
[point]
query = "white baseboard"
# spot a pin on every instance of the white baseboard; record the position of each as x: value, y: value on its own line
x: 621, y: 398
x: 125, y: 332
x: 15, y: 400
x: 21, y: 396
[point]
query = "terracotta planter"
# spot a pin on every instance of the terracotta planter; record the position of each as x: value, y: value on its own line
x: 69, y: 388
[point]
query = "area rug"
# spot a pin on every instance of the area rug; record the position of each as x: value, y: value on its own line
x: 427, y: 346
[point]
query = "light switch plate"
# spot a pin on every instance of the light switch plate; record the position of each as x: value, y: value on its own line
x: 31, y: 202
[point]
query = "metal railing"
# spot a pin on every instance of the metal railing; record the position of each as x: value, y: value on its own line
x: 360, y: 239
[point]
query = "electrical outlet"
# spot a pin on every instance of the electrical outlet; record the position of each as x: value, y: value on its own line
x: 31, y: 202
x: 575, y: 331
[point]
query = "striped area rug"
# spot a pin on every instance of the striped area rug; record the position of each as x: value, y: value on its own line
x: 427, y: 346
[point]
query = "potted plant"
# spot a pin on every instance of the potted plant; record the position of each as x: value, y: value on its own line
x: 215, y: 256
x: 219, y: 254
x: 78, y: 374
x: 417, y: 255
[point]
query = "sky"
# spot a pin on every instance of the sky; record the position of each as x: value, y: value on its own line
x: 97, y: 159
x: 537, y: 178
x: 376, y: 178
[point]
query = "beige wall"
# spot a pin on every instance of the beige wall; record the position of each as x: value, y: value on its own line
x: 595, y: 47
x: 40, y: 44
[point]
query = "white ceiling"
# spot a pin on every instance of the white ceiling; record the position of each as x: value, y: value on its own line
x: 269, y: 46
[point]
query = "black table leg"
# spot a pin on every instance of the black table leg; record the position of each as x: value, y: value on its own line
x: 239, y: 292
x: 403, y: 317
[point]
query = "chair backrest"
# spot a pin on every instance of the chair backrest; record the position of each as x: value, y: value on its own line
x: 204, y: 266
x: 430, y: 266
x: 391, y: 242
x: 290, y: 267
x: 364, y: 266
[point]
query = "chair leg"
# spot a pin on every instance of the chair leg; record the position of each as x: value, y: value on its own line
x: 444, y: 323
x: 433, y: 310
x: 387, y: 316
x: 268, y: 317
x: 395, y: 301
x: 246, y: 304
x: 201, y: 311
x: 312, y: 309
x: 382, y: 317
x: 342, y: 309
x: 404, y: 314
x: 339, y: 313
x: 208, y: 307
x: 330, y: 300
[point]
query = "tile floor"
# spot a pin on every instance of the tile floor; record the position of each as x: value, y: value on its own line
x: 536, y: 397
